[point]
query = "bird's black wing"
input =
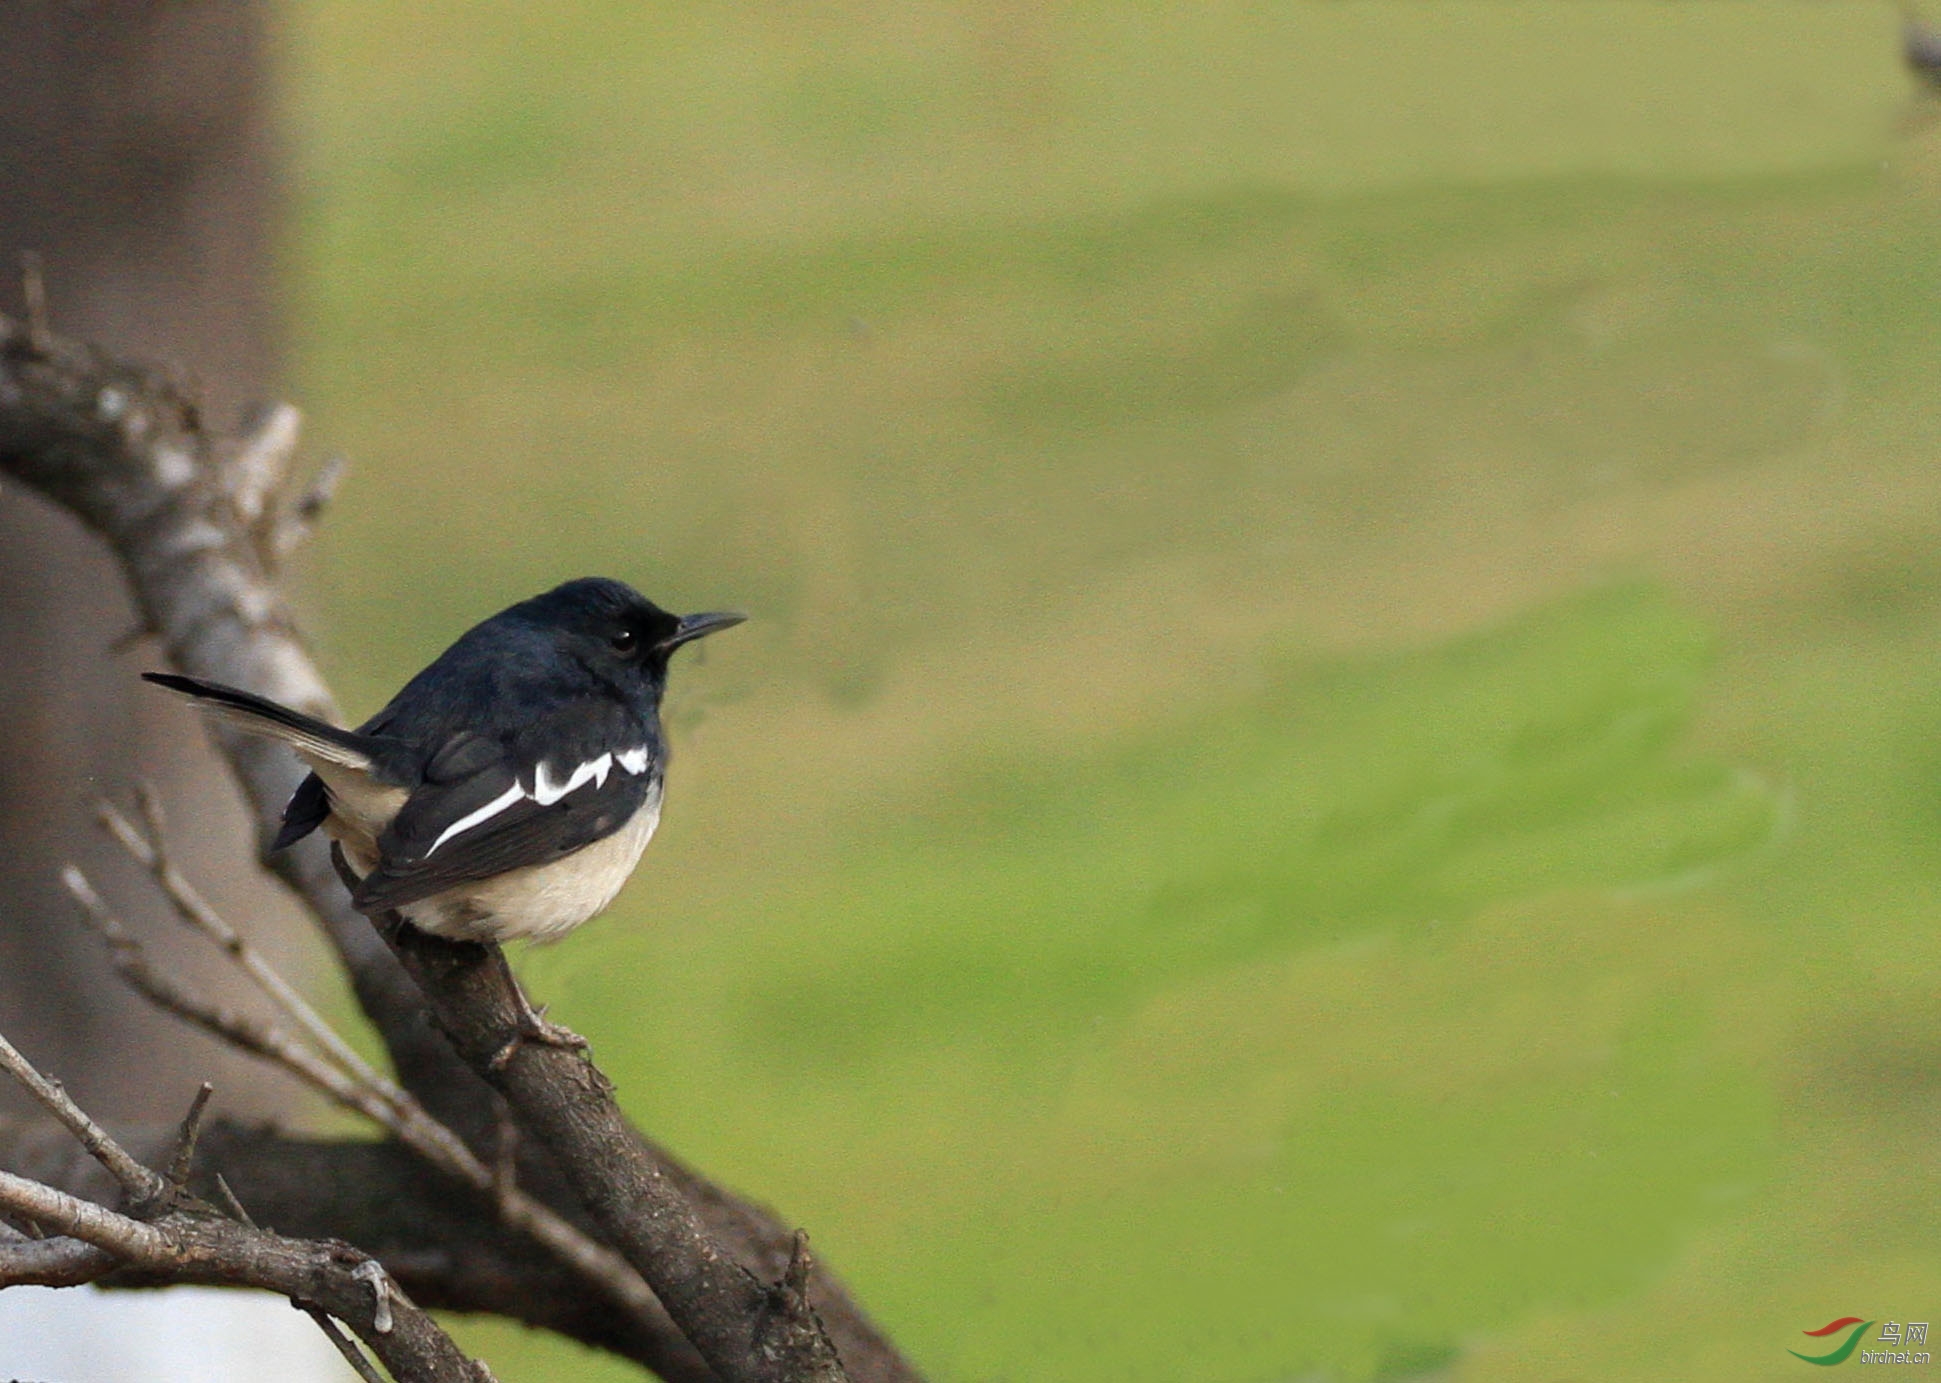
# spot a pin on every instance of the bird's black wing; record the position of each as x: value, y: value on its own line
x: 490, y: 806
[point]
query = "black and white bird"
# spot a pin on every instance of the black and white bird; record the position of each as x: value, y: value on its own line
x: 507, y: 792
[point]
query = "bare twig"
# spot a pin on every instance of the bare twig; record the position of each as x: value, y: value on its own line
x: 183, y: 1157
x: 176, y: 1241
x: 150, y: 850
x: 137, y: 1183
x: 795, y: 1278
x: 353, y: 1356
x: 249, y: 1034
x: 300, y: 521
x: 435, y: 1236
x: 125, y: 1238
x: 232, y: 1204
x: 390, y: 1109
x: 127, y: 452
x: 259, y: 461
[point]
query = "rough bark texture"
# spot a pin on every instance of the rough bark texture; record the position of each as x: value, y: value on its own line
x: 746, y: 1327
x: 183, y: 1243
x: 157, y: 1229
x: 437, y: 1238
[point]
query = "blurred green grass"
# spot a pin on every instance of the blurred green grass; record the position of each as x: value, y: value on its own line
x: 1335, y: 773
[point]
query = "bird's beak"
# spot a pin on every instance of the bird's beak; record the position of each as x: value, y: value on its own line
x: 694, y: 627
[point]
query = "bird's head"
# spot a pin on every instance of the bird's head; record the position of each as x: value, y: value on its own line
x: 609, y: 625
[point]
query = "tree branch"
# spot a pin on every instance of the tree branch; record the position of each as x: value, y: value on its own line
x: 180, y: 1240
x: 129, y: 455
x: 436, y: 1237
x: 185, y: 1247
x: 745, y: 1327
x: 149, y: 849
x: 349, y: 1084
x: 57, y: 1262
x: 137, y: 1184
x: 124, y: 451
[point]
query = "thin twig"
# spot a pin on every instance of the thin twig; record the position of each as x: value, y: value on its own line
x: 250, y: 1034
x: 795, y: 1278
x: 403, y: 1116
x: 79, y: 1219
x: 136, y: 1181
x: 353, y: 1356
x: 150, y: 851
x: 231, y: 1203
x: 182, y: 1243
x: 184, y: 1156
x: 256, y: 467
x: 300, y: 522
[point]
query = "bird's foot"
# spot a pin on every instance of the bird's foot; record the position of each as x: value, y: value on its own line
x: 533, y: 1027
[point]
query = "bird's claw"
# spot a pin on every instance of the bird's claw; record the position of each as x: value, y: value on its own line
x: 533, y: 1027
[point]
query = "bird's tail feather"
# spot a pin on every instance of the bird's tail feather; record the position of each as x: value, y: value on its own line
x: 261, y: 716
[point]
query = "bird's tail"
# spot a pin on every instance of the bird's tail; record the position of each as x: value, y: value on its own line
x: 259, y: 715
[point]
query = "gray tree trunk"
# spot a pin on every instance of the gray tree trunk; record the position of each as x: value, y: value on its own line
x: 137, y: 162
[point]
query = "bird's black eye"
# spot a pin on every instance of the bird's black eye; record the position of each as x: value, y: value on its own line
x: 624, y: 641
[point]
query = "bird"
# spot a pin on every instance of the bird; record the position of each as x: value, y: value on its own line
x: 507, y: 791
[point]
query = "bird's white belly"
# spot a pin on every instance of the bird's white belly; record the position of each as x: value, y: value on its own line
x: 541, y: 902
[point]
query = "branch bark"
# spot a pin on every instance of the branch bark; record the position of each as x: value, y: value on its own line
x: 316, y: 1055
x: 437, y: 1238
x: 196, y: 524
x: 163, y: 1231
x: 746, y: 1327
x: 184, y: 1246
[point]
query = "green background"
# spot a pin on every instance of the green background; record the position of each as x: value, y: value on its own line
x: 1335, y: 774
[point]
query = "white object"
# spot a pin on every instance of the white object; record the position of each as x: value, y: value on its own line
x: 175, y: 1335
